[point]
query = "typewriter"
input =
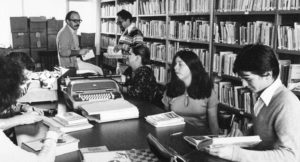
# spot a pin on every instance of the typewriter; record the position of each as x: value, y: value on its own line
x: 85, y: 90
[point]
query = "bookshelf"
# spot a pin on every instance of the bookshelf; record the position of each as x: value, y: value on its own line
x: 211, y: 28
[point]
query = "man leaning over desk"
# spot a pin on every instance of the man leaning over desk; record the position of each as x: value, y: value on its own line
x: 68, y: 45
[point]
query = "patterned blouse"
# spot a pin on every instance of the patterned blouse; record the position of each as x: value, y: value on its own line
x: 131, y: 36
x: 141, y: 83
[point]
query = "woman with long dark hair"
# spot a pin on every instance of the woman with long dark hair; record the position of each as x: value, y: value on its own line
x: 190, y: 92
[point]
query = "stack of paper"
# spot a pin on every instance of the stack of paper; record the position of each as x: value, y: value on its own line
x: 68, y: 122
x: 65, y: 144
x: 165, y: 119
x: 110, y: 110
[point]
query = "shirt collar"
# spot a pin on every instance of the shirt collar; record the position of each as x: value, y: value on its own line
x: 130, y: 27
x: 72, y: 30
x: 269, y: 92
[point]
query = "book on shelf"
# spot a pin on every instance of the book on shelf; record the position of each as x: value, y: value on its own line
x: 201, y: 142
x: 111, y: 110
x: 294, y: 76
x: 165, y: 119
x: 65, y: 144
x: 134, y: 155
x: 54, y: 122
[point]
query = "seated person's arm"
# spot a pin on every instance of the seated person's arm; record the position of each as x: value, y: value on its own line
x: 26, y: 118
x: 48, y: 151
x: 212, y: 114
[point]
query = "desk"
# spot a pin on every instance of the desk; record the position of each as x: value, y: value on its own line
x: 131, y: 134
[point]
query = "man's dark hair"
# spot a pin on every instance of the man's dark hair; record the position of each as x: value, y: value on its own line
x: 10, y: 80
x: 258, y: 59
x: 68, y: 16
x: 201, y: 85
x: 143, y: 51
x: 23, y: 59
x: 125, y: 15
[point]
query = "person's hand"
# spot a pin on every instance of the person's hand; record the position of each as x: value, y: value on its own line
x: 235, y: 131
x: 84, y: 51
x: 56, y: 130
x: 29, y: 117
x: 28, y: 108
x: 225, y: 152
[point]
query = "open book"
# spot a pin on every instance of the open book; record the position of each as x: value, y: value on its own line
x: 217, y: 141
x: 165, y: 119
x: 65, y: 144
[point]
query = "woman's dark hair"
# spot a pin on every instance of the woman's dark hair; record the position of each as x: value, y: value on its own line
x: 125, y: 15
x: 23, y: 59
x: 142, y: 51
x: 258, y: 59
x: 68, y: 16
x: 201, y: 85
x: 10, y: 80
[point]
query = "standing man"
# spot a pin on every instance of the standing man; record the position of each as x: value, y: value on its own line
x: 131, y: 35
x: 68, y: 45
x: 276, y: 115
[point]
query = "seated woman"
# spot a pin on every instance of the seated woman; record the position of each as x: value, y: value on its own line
x: 190, y: 92
x: 10, y: 80
x: 140, y: 82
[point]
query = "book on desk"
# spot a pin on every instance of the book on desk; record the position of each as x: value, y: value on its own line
x: 65, y: 144
x: 96, y: 154
x: 68, y: 122
x: 165, y: 119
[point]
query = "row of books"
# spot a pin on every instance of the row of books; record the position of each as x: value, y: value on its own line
x: 157, y: 51
x: 235, y: 96
x: 246, y: 5
x: 152, y: 7
x: 108, y: 26
x: 130, y: 7
x: 290, y: 74
x: 160, y: 73
x: 223, y: 63
x: 184, y: 6
x: 108, y: 10
x: 289, y: 37
x: 190, y: 30
x: 231, y: 32
x: 107, y: 41
x: 288, y: 4
x: 152, y: 28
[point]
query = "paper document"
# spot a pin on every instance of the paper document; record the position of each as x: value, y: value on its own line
x: 89, y: 55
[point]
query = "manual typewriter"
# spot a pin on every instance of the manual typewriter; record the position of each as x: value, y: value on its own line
x: 85, y: 90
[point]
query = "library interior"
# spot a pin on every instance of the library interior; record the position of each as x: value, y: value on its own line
x: 150, y: 80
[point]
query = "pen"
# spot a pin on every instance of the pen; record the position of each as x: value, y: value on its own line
x: 175, y: 134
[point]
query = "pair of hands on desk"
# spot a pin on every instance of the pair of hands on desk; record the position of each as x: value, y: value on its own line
x: 226, y: 152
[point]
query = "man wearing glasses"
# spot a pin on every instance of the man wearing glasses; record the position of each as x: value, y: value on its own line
x: 68, y: 45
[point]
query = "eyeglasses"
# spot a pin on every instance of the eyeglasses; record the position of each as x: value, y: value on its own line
x: 76, y: 20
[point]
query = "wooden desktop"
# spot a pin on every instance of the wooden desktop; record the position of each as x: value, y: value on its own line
x: 129, y: 134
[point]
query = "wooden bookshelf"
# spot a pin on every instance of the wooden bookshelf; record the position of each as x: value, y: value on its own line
x: 213, y: 15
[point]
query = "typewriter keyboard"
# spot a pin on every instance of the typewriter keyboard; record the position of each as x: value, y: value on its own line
x: 96, y: 96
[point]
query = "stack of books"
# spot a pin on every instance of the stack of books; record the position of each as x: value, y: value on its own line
x: 165, y: 119
x: 65, y: 144
x: 68, y: 122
